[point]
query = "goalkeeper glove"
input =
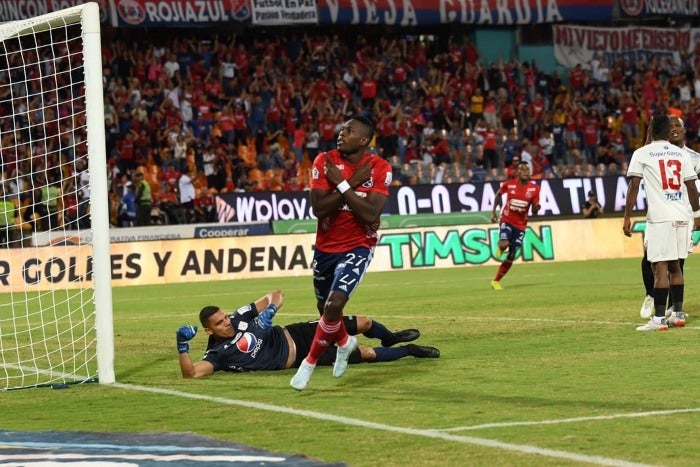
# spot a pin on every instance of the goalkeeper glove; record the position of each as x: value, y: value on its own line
x: 184, y: 334
x: 264, y: 319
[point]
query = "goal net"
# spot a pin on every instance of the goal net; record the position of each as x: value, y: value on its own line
x: 55, y: 292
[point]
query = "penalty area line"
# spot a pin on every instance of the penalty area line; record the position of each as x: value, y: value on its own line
x: 572, y: 420
x: 434, y: 434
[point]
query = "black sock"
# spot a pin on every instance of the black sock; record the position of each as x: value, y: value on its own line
x: 660, y: 296
x: 389, y: 354
x: 647, y: 276
x: 378, y: 331
x: 677, y: 297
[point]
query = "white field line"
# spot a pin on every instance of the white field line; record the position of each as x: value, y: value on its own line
x: 652, y: 413
x: 489, y: 443
x: 312, y: 315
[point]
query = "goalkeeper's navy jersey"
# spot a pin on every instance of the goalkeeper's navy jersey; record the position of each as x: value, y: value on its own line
x: 252, y: 348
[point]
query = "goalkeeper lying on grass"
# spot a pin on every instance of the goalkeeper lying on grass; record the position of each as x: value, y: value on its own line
x: 246, y: 340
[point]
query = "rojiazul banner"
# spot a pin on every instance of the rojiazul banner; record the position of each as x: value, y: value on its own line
x: 175, y: 13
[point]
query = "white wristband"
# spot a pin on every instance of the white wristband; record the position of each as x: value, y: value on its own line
x: 343, y: 186
x: 696, y: 214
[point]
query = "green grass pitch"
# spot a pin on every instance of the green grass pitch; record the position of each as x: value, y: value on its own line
x: 549, y: 371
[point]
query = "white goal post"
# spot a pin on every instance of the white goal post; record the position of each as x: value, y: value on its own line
x: 55, y: 300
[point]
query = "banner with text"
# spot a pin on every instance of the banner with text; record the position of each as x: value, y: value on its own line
x: 644, y: 8
x: 283, y: 12
x: 486, y: 12
x: 178, y: 13
x: 405, y: 13
x: 197, y: 260
x: 578, y: 44
x: 153, y: 232
x: 12, y: 10
x: 558, y: 197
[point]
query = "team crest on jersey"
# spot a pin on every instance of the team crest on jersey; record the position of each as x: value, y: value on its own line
x: 247, y: 342
x: 314, y: 173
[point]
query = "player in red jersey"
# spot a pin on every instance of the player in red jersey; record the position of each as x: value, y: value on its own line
x: 521, y: 194
x: 349, y: 188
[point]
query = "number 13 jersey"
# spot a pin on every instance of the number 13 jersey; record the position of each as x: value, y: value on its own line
x: 665, y: 168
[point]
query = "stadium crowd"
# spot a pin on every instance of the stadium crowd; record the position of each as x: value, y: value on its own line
x: 195, y: 117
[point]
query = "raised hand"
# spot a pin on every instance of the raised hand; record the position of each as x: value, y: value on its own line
x: 332, y: 173
x: 184, y: 334
x: 264, y: 319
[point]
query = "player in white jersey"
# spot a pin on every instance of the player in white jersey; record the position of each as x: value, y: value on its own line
x: 665, y: 169
x: 677, y: 137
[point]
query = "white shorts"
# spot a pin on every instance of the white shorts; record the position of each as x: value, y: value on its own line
x: 691, y: 229
x: 666, y: 241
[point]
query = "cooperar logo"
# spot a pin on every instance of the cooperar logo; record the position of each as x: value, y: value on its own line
x: 130, y: 12
x: 214, y: 232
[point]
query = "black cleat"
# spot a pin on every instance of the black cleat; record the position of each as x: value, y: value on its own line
x: 407, y: 335
x: 422, y: 351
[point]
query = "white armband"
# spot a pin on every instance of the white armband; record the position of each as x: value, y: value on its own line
x: 696, y: 214
x: 343, y: 186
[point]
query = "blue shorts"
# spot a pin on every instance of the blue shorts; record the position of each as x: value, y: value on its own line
x: 513, y: 235
x: 339, y: 272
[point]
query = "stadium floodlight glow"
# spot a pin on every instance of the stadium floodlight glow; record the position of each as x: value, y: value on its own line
x: 55, y: 295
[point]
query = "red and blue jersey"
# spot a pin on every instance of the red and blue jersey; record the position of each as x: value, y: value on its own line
x: 518, y: 200
x: 341, y: 231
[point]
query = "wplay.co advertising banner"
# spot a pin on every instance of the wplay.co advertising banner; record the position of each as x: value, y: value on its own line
x: 565, y: 196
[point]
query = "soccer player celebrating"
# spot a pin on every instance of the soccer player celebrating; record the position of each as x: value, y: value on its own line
x: 349, y: 188
x: 522, y: 194
x: 665, y: 168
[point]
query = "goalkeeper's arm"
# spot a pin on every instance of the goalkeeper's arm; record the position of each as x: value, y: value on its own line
x: 194, y: 370
x: 276, y: 298
x: 267, y: 307
x: 190, y: 370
